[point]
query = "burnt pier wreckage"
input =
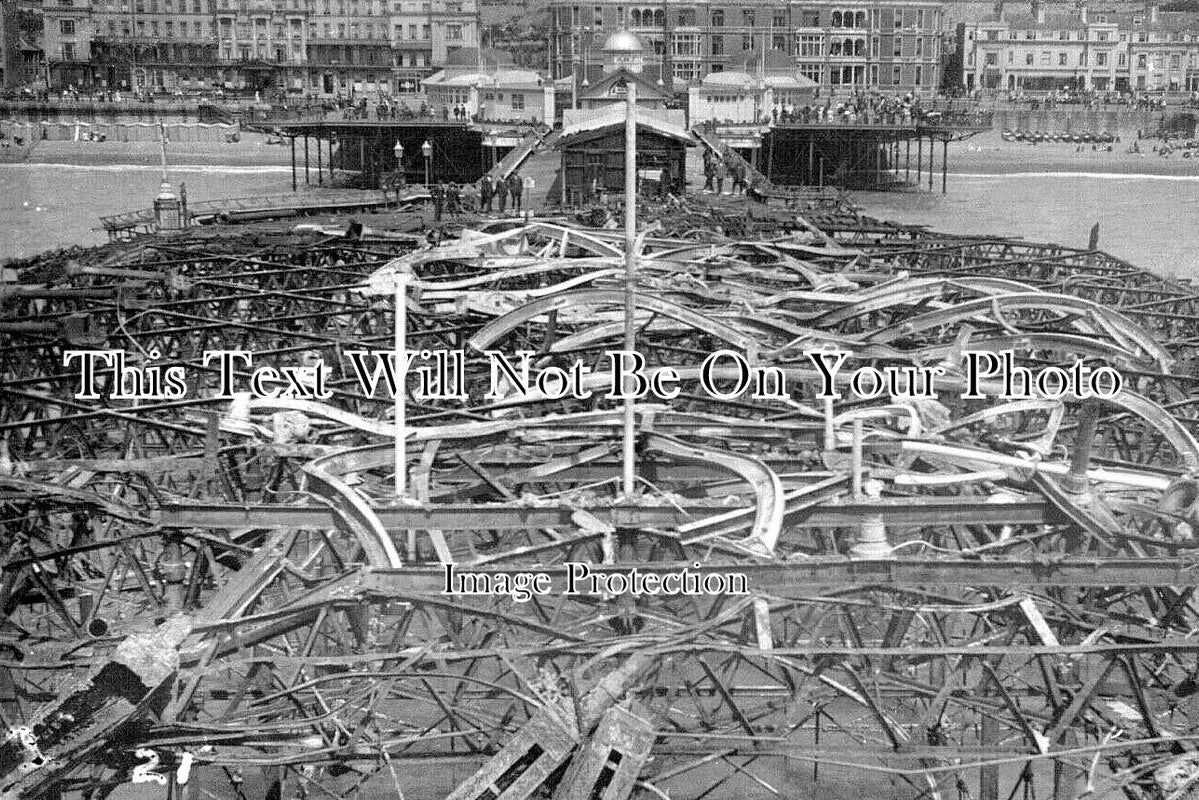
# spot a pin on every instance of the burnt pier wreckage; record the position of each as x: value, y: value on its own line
x: 947, y: 597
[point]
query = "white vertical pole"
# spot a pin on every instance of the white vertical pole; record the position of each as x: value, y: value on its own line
x: 630, y: 281
x: 401, y: 363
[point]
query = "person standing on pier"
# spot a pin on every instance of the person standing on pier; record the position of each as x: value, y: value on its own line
x: 516, y: 189
x: 721, y: 173
x: 485, y: 192
x: 501, y: 189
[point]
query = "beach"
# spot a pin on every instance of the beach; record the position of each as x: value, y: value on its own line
x: 989, y: 154
x: 251, y: 151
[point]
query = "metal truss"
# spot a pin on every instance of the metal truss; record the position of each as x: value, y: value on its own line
x: 963, y: 597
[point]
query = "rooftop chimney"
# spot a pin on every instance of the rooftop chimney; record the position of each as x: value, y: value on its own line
x: 1082, y: 12
x: 1153, y: 9
x: 999, y: 10
x: 1038, y: 11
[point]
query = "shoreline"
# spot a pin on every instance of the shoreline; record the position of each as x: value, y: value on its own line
x: 986, y: 155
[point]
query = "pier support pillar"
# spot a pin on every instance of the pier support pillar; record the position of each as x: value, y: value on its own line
x: 294, y: 187
x: 932, y: 160
x: 944, y: 166
x: 919, y: 158
x: 307, y: 181
x: 320, y: 172
x: 907, y: 162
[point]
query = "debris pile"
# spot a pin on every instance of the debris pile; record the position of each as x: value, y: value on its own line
x: 939, y: 582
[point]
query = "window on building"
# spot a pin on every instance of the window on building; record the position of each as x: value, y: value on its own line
x: 68, y: 51
x: 717, y: 45
x: 991, y: 59
x: 992, y: 35
x: 919, y: 75
x: 1063, y: 36
x: 1046, y: 58
x: 1010, y: 56
x: 811, y: 46
x: 1061, y: 59
x: 1121, y: 59
x: 898, y: 15
x: 66, y: 27
x: 920, y: 18
x: 897, y: 48
x: 747, y: 17
x: 426, y: 32
x: 453, y: 33
x: 747, y: 42
x: 1101, y: 59
x: 778, y: 41
x: 1028, y: 59
x: 717, y: 18
x: 518, y: 102
x: 874, y: 46
x: 779, y: 20
x: 896, y: 74
x: 1142, y: 61
x: 919, y: 47
x: 1175, y: 61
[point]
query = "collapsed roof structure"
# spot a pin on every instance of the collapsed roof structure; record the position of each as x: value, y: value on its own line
x: 945, y: 592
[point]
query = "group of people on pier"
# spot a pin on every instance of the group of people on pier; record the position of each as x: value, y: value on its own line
x: 718, y: 169
x: 489, y: 195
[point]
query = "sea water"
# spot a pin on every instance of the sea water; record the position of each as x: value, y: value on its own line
x: 44, y: 206
x: 1151, y: 221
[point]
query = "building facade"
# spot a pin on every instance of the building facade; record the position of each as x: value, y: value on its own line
x: 840, y: 46
x: 1083, y: 49
x: 300, y: 47
x: 486, y: 86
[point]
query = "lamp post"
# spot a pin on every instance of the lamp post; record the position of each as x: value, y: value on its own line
x: 401, y: 371
x: 629, y: 444
x: 398, y: 151
x: 493, y: 139
x: 427, y: 150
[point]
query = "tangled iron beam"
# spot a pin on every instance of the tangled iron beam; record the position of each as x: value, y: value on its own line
x: 951, y: 593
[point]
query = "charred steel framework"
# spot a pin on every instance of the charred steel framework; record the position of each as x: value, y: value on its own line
x: 231, y: 583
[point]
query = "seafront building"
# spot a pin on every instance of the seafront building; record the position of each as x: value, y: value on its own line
x: 892, y: 44
x: 1083, y: 48
x: 308, y: 47
x: 485, y: 85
